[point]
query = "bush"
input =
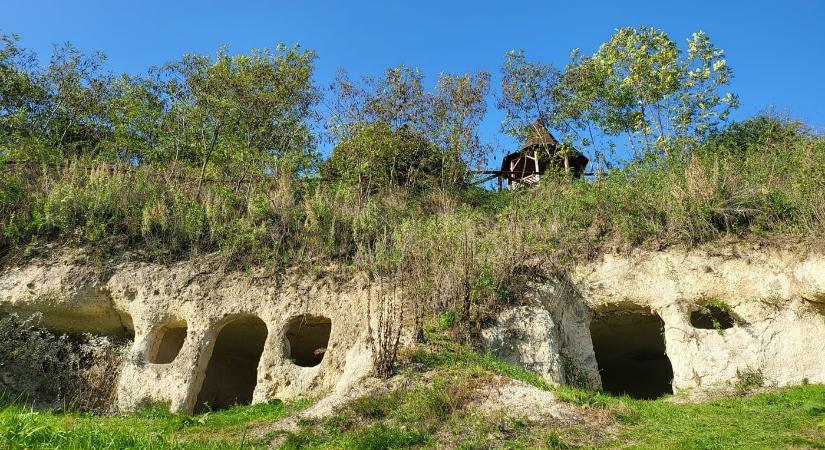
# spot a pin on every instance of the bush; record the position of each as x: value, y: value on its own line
x: 75, y: 373
x: 379, y: 157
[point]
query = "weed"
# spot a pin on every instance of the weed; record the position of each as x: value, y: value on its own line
x: 715, y: 312
x: 747, y: 380
x: 554, y: 441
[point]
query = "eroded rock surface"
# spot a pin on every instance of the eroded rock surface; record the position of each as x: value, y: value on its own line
x: 193, y: 318
x: 149, y: 299
x: 776, y: 298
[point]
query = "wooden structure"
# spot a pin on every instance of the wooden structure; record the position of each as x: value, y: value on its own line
x: 538, y: 154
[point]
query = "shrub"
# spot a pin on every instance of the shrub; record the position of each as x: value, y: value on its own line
x: 76, y: 373
x: 748, y: 380
x: 378, y: 157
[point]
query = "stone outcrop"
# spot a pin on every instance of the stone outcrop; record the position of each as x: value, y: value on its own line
x: 776, y: 299
x: 143, y: 300
x: 193, y: 320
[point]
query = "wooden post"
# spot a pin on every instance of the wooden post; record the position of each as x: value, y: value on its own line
x: 510, y: 179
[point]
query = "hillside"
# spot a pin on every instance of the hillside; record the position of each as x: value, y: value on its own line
x: 221, y: 253
x: 446, y: 396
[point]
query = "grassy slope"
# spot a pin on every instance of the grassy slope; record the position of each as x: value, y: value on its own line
x: 430, y: 411
x: 769, y: 186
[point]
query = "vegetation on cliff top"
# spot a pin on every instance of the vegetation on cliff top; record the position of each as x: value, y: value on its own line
x: 220, y: 154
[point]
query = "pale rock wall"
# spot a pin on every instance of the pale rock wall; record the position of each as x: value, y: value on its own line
x: 779, y: 296
x: 72, y: 296
x: 782, y: 334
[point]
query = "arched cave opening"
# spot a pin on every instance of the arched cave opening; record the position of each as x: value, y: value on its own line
x: 127, y: 325
x: 232, y: 372
x: 711, y: 317
x: 307, y: 337
x: 167, y: 342
x: 630, y: 351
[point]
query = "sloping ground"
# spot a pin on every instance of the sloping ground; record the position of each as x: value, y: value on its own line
x: 447, y: 396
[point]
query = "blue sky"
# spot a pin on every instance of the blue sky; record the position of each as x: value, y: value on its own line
x: 777, y: 49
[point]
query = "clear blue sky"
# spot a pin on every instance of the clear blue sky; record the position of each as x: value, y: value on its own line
x: 776, y: 48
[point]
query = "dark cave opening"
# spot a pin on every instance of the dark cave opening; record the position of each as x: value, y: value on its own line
x: 711, y: 317
x: 232, y: 372
x: 307, y: 338
x: 630, y: 352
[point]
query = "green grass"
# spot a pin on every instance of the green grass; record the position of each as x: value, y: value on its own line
x: 443, y: 353
x: 430, y: 409
x: 151, y: 427
x: 432, y: 413
x: 788, y: 417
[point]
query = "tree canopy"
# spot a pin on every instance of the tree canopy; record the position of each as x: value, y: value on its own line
x: 378, y: 156
x: 247, y: 113
x: 398, y: 109
x: 258, y: 113
x: 639, y: 85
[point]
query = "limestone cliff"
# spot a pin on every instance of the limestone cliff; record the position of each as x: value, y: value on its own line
x: 620, y: 322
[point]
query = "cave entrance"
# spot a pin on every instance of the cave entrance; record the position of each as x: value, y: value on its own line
x: 630, y: 352
x: 167, y: 342
x: 232, y: 371
x: 307, y: 338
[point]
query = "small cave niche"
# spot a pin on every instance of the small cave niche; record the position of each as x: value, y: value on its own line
x: 232, y: 371
x: 307, y: 337
x: 630, y: 351
x: 711, y: 317
x: 166, y: 342
x: 128, y: 326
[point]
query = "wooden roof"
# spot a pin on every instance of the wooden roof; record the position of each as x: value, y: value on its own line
x: 539, y: 138
x: 537, y: 134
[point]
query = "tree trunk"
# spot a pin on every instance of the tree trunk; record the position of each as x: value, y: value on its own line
x: 206, y: 161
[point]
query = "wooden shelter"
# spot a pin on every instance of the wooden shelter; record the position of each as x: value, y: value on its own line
x: 538, y: 154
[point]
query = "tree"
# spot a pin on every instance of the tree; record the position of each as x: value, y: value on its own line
x: 458, y: 107
x: 248, y: 113
x: 378, y: 156
x: 19, y: 93
x: 53, y: 112
x: 530, y: 96
x: 649, y: 87
x: 135, y: 116
x: 639, y: 84
x: 445, y: 119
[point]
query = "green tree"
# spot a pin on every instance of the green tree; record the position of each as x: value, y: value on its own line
x: 135, y: 115
x: 639, y: 84
x: 247, y: 114
x: 72, y: 117
x: 19, y: 95
x: 530, y: 91
x: 458, y: 107
x: 445, y: 118
x: 53, y: 112
x: 378, y: 156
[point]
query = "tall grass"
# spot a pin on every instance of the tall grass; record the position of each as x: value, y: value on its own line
x: 462, y: 251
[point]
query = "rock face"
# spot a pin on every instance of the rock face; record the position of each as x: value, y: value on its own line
x: 776, y: 301
x: 625, y: 323
x: 191, y: 322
